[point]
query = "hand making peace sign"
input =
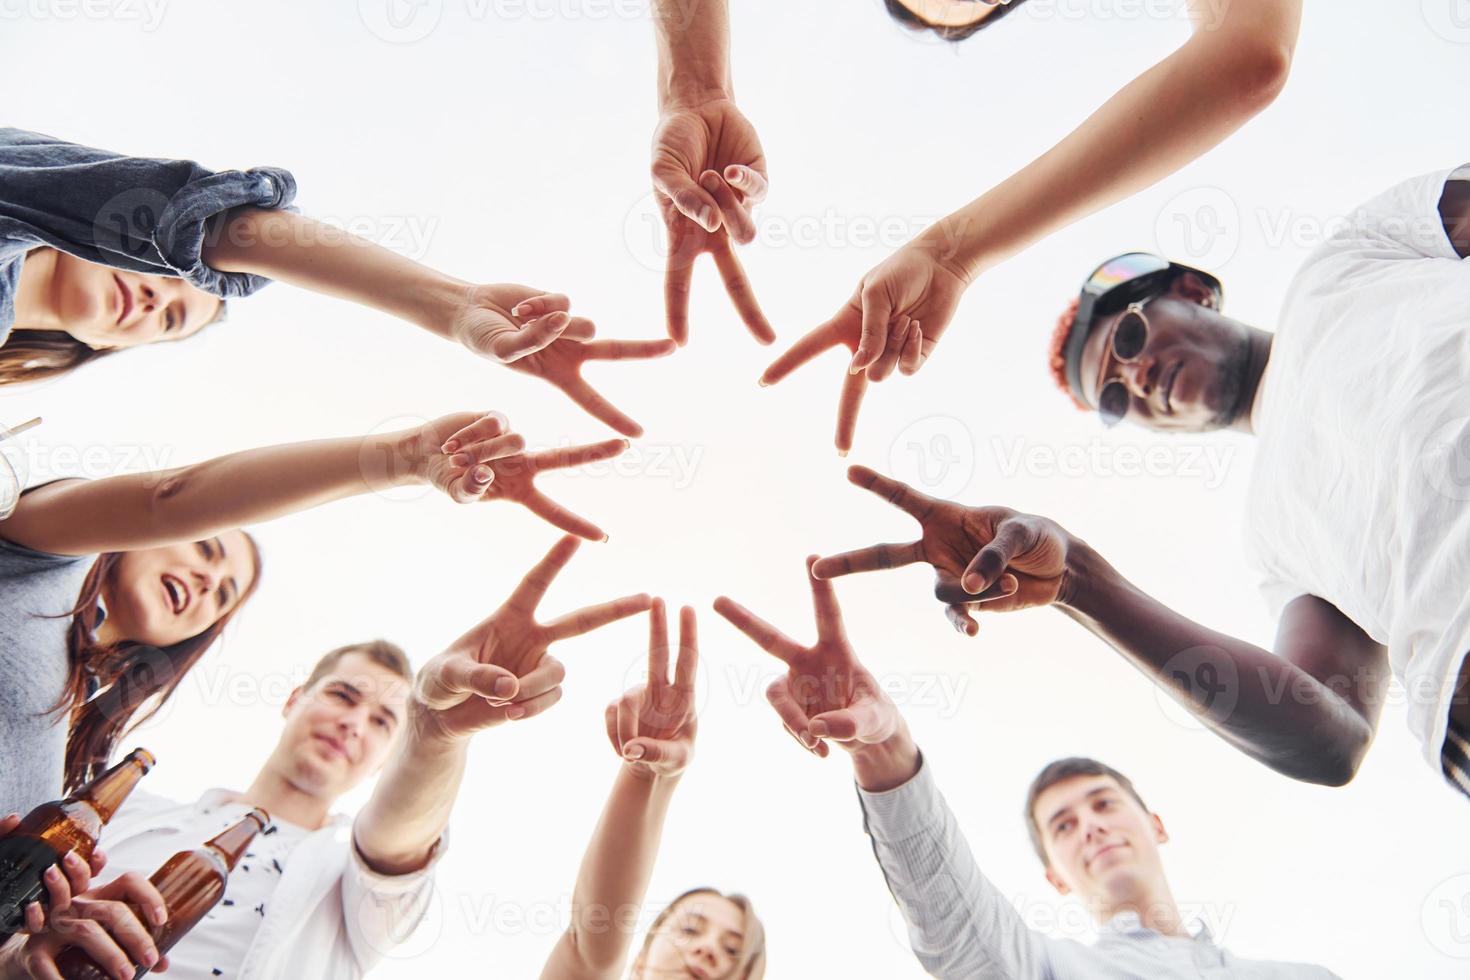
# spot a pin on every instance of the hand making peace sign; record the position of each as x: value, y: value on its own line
x: 652, y: 726
x: 500, y: 670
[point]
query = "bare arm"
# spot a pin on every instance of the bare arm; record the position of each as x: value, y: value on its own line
x: 652, y: 728
x: 693, y: 51
x: 1308, y: 710
x: 1454, y: 208
x: 1233, y: 66
x: 145, y: 510
x: 613, y: 880
x: 304, y: 252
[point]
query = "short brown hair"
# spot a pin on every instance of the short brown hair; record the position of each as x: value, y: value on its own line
x: 1060, y: 771
x: 380, y: 652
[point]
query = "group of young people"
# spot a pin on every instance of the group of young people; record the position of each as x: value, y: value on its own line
x: 114, y: 588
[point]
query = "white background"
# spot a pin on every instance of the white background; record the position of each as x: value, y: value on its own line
x: 510, y: 143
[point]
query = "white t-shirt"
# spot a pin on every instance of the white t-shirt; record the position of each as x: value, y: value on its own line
x: 1361, y: 489
x: 309, y: 906
x: 216, y: 946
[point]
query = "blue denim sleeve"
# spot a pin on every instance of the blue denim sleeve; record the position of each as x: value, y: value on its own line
x: 145, y: 215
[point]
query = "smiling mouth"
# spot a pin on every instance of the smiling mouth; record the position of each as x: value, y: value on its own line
x: 336, y: 747
x: 1169, y: 387
x: 125, y: 299
x: 177, y: 592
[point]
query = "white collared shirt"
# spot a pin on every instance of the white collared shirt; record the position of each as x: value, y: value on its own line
x: 962, y: 928
x: 308, y: 906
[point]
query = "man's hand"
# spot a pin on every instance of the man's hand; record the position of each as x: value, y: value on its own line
x: 473, y: 457
x: 652, y: 726
x: 500, y: 670
x: 893, y: 320
x: 826, y: 693
x: 983, y: 557
x: 560, y: 364
x: 73, y: 877
x: 708, y: 172
x: 102, y: 923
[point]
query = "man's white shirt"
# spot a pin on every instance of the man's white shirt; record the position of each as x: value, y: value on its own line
x: 1361, y: 488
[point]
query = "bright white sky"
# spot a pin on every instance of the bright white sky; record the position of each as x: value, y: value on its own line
x: 510, y: 143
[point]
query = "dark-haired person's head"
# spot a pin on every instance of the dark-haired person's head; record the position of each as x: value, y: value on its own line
x: 1171, y: 362
x: 341, y: 723
x: 1093, y: 832
x: 952, y: 20
x: 69, y: 311
x: 142, y: 621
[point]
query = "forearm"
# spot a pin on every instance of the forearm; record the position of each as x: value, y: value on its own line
x: 1167, y: 117
x: 613, y: 878
x: 1273, y: 710
x: 146, y: 510
x: 410, y: 805
x: 960, y: 926
x: 693, y: 51
x: 304, y: 252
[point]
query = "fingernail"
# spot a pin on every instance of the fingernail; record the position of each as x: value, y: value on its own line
x: 732, y: 172
x: 482, y: 474
x: 515, y: 713
x: 807, y: 740
x: 819, y: 729
x: 763, y: 383
x: 505, y: 687
x: 972, y: 583
x: 149, y: 959
x: 633, y: 752
x: 842, y: 452
x: 450, y: 446
x: 159, y: 914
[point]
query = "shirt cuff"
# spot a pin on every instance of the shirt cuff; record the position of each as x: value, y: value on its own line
x: 185, y: 222
x: 387, y: 884
x: 905, y: 811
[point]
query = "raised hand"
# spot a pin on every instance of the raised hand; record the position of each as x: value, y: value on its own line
x: 893, y: 320
x: 500, y: 670
x: 708, y: 172
x: 560, y: 364
x: 72, y: 877
x: 825, y: 693
x: 993, y: 557
x: 652, y: 725
x: 535, y: 333
x: 507, y: 322
x: 473, y: 457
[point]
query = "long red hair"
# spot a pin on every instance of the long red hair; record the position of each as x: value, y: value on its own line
x: 125, y: 676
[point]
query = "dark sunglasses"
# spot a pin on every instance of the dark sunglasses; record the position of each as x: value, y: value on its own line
x: 1130, y: 336
x: 1124, y: 281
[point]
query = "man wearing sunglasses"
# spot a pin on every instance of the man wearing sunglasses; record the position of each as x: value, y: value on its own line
x: 1359, y: 510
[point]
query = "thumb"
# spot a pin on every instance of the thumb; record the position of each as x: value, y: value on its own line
x: 691, y: 200
x: 656, y: 751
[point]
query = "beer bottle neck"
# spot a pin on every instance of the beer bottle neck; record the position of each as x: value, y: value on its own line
x: 107, y: 792
x: 231, y: 842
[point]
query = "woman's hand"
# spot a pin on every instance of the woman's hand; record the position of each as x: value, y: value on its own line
x: 893, y: 320
x: 104, y: 924
x: 652, y: 725
x: 72, y: 876
x: 473, y: 457
x: 506, y: 322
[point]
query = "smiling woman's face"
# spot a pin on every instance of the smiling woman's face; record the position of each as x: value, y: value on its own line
x: 952, y: 13
x: 111, y: 308
x: 701, y: 938
x: 162, y: 596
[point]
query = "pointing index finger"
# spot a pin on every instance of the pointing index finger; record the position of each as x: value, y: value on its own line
x: 766, y: 636
x: 533, y: 587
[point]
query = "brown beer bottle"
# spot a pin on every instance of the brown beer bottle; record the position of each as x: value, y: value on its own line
x: 191, y: 883
x: 52, y: 829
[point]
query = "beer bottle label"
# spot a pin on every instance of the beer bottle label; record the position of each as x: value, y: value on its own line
x: 22, y: 865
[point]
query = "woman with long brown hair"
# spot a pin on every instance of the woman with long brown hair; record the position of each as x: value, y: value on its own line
x: 101, y: 252
x: 111, y: 590
x: 703, y: 934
